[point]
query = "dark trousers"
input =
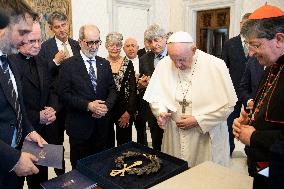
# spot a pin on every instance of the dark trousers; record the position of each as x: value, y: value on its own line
x: 140, y: 126
x: 10, y: 181
x: 122, y: 135
x: 81, y: 148
x: 34, y: 181
x: 235, y: 114
x: 59, y: 137
x: 156, y: 134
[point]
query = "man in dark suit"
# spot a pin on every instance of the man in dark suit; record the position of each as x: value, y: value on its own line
x: 14, y: 126
x: 250, y: 81
x: 130, y: 48
x: 36, y: 83
x: 144, y: 50
x: 156, y: 36
x: 234, y: 54
x: 87, y: 89
x: 55, y: 50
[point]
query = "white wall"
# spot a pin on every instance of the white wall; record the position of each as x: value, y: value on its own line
x: 170, y: 14
x: 98, y: 12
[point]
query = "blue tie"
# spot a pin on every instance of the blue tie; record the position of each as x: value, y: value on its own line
x: 13, y: 96
x: 92, y: 74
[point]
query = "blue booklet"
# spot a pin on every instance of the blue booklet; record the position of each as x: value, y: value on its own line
x: 71, y: 180
x: 50, y: 155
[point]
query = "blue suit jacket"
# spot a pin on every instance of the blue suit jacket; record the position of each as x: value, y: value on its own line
x: 235, y: 59
x: 8, y: 155
x: 76, y: 91
x: 49, y: 49
x: 250, y: 80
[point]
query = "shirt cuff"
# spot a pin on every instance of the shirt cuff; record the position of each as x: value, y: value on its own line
x: 249, y: 100
x: 55, y: 62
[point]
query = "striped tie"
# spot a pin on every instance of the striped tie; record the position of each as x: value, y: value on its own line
x: 92, y: 74
x: 15, y: 102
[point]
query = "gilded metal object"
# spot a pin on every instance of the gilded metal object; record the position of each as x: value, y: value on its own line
x: 122, y: 171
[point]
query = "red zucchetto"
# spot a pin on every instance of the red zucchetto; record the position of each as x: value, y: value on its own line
x: 266, y: 11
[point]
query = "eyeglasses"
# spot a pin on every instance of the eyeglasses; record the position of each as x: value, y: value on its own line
x: 252, y: 46
x: 92, y: 43
x: 34, y: 41
x: 114, y: 45
x: 257, y: 44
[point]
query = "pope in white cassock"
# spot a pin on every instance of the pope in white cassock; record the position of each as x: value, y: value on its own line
x: 191, y: 94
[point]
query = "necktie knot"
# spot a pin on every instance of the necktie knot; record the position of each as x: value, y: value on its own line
x: 160, y: 57
x: 67, y: 54
x: 90, y: 61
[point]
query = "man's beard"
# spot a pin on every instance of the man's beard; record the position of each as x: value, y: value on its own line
x: 6, y: 46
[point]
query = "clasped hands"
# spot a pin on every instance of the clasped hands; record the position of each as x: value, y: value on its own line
x: 25, y: 165
x: 47, y: 115
x: 241, y: 130
x: 98, y: 108
x: 185, y: 121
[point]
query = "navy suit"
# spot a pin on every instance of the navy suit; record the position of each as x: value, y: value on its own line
x: 250, y: 80
x: 235, y: 59
x: 87, y: 134
x: 8, y: 155
x: 48, y: 50
x: 146, y: 67
x: 141, y: 52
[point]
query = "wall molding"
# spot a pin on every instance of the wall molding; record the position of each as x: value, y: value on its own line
x: 114, y: 5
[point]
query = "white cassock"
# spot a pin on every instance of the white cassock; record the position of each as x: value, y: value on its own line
x: 211, y: 96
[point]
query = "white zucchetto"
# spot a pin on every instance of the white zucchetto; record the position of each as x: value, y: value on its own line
x: 180, y: 37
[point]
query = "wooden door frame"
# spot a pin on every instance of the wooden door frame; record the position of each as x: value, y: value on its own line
x: 191, y: 8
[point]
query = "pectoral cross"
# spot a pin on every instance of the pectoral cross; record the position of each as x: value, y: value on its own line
x: 183, y: 104
x: 122, y: 171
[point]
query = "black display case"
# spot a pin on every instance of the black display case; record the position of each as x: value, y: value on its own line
x: 98, y: 167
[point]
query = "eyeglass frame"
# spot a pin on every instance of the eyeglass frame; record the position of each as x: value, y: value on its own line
x: 34, y: 41
x: 92, y: 43
x: 256, y: 47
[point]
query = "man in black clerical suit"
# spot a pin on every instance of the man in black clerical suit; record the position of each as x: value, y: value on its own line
x: 14, y: 125
x: 234, y: 54
x: 87, y: 89
x: 38, y: 98
x: 156, y: 36
x: 55, y: 50
x: 263, y: 129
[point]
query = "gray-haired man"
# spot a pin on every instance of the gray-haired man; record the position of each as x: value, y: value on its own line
x: 157, y: 38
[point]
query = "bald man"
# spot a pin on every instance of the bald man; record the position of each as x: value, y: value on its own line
x: 130, y: 48
x: 87, y: 89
